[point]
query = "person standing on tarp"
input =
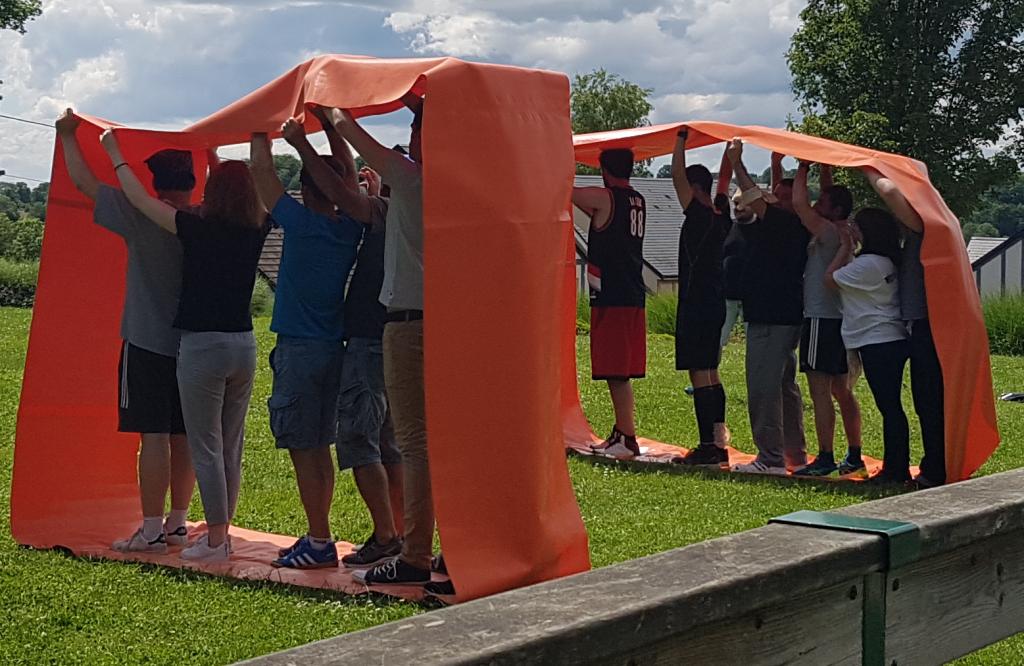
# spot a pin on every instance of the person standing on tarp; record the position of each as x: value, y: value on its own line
x: 147, y: 388
x: 316, y: 259
x: 773, y: 309
x: 734, y: 252
x: 618, y: 315
x: 701, y: 311
x: 366, y: 439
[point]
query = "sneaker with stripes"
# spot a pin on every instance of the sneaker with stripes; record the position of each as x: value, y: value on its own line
x: 304, y: 556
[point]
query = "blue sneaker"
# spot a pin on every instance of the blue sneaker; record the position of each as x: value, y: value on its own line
x: 304, y: 556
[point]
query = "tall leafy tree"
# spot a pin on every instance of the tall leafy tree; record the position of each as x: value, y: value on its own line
x: 1001, y: 208
x: 601, y: 101
x: 14, y: 14
x: 939, y: 80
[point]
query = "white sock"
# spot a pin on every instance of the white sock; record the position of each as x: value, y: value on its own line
x: 318, y: 544
x: 152, y: 528
x: 176, y: 518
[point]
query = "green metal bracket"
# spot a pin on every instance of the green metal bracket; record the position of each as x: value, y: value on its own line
x: 903, y: 546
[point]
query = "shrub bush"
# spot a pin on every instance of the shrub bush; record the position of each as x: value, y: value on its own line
x: 21, y: 239
x: 18, y: 283
x: 262, y: 303
x: 1004, y: 319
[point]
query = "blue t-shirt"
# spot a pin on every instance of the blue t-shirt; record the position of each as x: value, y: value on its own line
x: 316, y: 259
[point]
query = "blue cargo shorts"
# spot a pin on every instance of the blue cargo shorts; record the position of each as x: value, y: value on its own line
x: 304, y: 398
x: 365, y: 434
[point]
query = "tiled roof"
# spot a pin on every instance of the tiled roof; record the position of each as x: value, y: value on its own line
x: 982, y: 245
x: 270, y: 260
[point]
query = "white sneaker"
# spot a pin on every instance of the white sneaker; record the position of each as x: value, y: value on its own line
x: 205, y: 540
x: 178, y: 537
x: 201, y: 551
x: 137, y: 543
x: 758, y: 467
x: 620, y: 450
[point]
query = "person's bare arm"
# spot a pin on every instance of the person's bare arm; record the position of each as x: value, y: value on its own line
x: 380, y: 158
x: 81, y: 175
x: 843, y: 256
x: 156, y: 210
x: 339, y: 148
x: 724, y: 172
x: 824, y: 176
x: 735, y: 152
x: 679, y: 180
x: 349, y: 200
x: 778, y: 173
x: 596, y: 203
x: 813, y: 222
x: 894, y: 199
x: 268, y: 184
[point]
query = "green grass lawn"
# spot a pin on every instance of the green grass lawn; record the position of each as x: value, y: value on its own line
x: 58, y: 609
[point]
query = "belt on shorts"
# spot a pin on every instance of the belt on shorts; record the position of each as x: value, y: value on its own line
x: 403, y: 315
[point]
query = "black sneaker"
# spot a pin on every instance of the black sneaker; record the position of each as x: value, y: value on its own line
x: 441, y: 588
x: 372, y: 552
x: 822, y: 466
x: 395, y: 571
x: 886, y: 480
x: 705, y: 455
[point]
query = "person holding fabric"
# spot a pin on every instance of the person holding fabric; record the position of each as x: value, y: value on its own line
x: 221, y: 246
x: 618, y: 319
x: 316, y: 258
x: 148, y: 401
x: 366, y: 441
x: 868, y: 286
x: 734, y: 258
x: 926, y: 383
x: 773, y: 309
x: 823, y: 357
x: 701, y: 312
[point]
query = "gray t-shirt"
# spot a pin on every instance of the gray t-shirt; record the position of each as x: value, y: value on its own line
x: 820, y: 302
x: 153, y: 281
x: 403, y: 236
x: 913, y: 303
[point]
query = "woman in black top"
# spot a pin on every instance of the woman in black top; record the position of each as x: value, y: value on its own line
x: 217, y: 356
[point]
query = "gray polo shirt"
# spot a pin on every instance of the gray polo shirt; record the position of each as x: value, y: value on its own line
x: 913, y: 303
x: 153, y: 281
x: 403, y: 236
x: 820, y: 302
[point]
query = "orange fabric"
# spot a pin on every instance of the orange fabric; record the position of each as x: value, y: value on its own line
x: 495, y: 220
x: 954, y: 306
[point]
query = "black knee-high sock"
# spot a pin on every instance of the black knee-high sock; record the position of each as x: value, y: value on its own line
x: 704, y: 406
x: 719, y: 403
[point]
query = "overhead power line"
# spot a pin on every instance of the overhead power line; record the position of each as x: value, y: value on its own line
x: 26, y: 120
x: 14, y: 177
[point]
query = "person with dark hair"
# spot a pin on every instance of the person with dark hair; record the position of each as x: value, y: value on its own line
x: 221, y: 246
x: 773, y: 309
x: 316, y: 259
x: 926, y: 382
x: 823, y: 356
x: 148, y: 401
x: 618, y: 316
x: 701, y: 311
x: 868, y: 287
x: 734, y: 259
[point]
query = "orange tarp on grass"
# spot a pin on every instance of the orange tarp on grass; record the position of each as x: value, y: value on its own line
x: 497, y: 183
x: 954, y: 306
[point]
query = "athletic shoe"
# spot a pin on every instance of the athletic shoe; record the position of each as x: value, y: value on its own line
x: 705, y: 455
x: 441, y: 588
x: 822, y: 466
x: 395, y: 571
x: 921, y: 482
x: 758, y: 467
x: 688, y: 391
x: 618, y: 446
x: 283, y: 552
x: 178, y: 537
x: 884, y: 479
x: 852, y: 466
x: 305, y: 556
x: 201, y: 551
x: 372, y: 552
x: 137, y: 543
x: 437, y: 564
x: 205, y: 540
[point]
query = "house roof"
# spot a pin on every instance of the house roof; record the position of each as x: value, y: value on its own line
x: 270, y: 259
x: 982, y: 245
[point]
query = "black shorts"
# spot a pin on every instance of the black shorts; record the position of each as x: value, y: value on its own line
x: 147, y: 392
x: 699, y: 335
x: 821, y: 347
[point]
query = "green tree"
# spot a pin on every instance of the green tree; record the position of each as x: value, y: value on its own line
x: 21, y: 239
x: 14, y: 14
x: 665, y: 171
x: 971, y: 229
x: 938, y: 81
x: 601, y: 101
x: 1002, y: 208
x: 288, y: 168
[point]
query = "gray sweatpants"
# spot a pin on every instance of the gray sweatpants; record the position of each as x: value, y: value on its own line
x: 215, y: 377
x: 774, y: 400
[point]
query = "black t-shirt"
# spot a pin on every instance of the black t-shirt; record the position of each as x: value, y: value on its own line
x: 615, y: 253
x: 364, y: 313
x: 734, y: 256
x: 700, y: 254
x: 218, y: 273
x: 774, y: 270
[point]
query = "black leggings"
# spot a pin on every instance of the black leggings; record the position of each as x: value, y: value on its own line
x: 927, y: 388
x: 883, y: 368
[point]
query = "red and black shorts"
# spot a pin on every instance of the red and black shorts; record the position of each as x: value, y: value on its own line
x: 147, y: 392
x: 618, y: 342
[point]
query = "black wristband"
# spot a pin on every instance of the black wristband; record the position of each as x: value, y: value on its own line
x: 120, y: 165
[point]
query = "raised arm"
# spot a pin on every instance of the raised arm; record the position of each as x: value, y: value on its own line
x: 813, y: 222
x: 724, y: 173
x: 752, y: 197
x: 380, y: 158
x: 824, y: 176
x: 596, y: 202
x: 268, y: 183
x: 679, y: 180
x: 350, y: 200
x: 843, y: 256
x: 778, y: 173
x: 156, y: 210
x: 894, y: 199
x: 81, y: 175
x: 340, y: 149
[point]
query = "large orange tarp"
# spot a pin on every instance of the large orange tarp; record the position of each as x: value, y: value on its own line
x: 497, y: 183
x: 954, y: 306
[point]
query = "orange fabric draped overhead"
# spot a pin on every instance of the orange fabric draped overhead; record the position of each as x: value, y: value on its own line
x: 954, y: 306
x: 496, y: 230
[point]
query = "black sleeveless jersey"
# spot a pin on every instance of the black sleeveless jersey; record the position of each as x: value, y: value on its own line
x: 615, y: 254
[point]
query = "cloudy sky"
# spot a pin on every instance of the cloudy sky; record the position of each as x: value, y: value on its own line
x: 166, y: 64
